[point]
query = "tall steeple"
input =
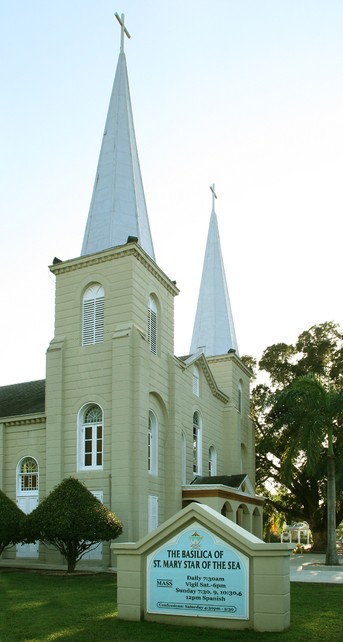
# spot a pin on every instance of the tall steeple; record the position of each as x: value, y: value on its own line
x: 118, y: 209
x: 214, y: 331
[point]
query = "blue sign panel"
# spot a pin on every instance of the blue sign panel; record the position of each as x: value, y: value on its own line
x: 196, y: 573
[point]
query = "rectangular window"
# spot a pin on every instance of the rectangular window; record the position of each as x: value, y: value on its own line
x: 29, y: 481
x: 92, y: 446
x: 149, y: 450
x: 152, y: 512
x: 99, y: 445
x: 195, y: 450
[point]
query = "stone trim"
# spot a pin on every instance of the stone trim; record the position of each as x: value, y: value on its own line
x: 131, y: 249
x: 27, y: 421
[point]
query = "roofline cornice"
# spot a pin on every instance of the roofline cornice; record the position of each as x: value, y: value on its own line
x: 25, y: 420
x: 118, y: 252
x: 230, y: 357
x: 202, y: 361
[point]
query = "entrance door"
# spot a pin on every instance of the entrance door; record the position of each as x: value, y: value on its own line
x: 27, y: 504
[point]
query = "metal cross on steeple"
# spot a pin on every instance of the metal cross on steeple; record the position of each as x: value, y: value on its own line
x: 123, y: 30
x: 214, y: 195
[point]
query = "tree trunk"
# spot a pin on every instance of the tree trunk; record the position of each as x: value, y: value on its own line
x: 71, y: 556
x: 331, y: 558
x: 319, y: 536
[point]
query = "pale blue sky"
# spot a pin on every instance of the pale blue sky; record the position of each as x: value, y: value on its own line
x: 246, y: 94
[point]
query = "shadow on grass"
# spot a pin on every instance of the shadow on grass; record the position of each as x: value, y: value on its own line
x: 82, y: 608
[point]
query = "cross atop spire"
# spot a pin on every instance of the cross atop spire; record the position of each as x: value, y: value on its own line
x: 214, y: 330
x: 118, y: 208
x: 214, y: 195
x: 121, y: 20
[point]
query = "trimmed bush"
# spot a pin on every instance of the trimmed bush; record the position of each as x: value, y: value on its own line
x: 12, y: 521
x: 72, y: 520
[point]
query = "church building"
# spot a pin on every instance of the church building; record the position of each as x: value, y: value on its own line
x: 145, y: 430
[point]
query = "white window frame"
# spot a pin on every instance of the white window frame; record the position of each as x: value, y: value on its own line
x: 152, y: 443
x: 183, y: 458
x: 240, y: 396
x: 152, y: 512
x: 93, y: 320
x: 212, y: 461
x: 27, y: 499
x: 27, y: 481
x: 152, y: 324
x: 88, y: 431
x: 196, y: 381
x: 197, y: 444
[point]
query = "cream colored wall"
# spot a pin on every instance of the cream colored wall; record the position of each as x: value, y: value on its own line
x: 20, y: 440
x: 228, y: 371
x: 121, y: 375
x: 126, y: 380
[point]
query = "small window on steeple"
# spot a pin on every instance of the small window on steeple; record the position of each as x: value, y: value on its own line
x: 93, y: 315
x: 152, y: 325
x: 240, y: 396
x: 196, y: 377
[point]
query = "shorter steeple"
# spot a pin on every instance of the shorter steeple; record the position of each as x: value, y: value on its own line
x: 214, y: 332
x: 118, y: 208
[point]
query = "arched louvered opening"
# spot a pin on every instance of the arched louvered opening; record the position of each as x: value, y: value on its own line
x: 93, y: 308
x: 152, y: 324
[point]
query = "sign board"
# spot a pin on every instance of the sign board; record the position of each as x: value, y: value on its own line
x: 196, y: 573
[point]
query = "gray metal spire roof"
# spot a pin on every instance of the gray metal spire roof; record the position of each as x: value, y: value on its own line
x: 118, y: 207
x: 214, y: 332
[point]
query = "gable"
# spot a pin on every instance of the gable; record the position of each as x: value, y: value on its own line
x: 201, y: 361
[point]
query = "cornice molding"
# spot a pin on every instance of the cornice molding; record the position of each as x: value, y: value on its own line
x: 119, y: 252
x: 26, y: 420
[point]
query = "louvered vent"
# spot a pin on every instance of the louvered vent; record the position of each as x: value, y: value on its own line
x: 93, y: 315
x: 152, y: 330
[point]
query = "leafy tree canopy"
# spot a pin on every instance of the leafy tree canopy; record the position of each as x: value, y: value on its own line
x: 73, y: 520
x: 298, y: 419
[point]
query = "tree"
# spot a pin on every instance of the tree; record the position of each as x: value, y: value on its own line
x: 308, y: 414
x: 11, y: 522
x: 72, y: 520
x: 303, y: 493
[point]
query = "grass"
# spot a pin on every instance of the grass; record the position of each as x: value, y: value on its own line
x: 37, y: 607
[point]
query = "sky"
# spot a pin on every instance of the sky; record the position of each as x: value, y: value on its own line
x: 245, y: 94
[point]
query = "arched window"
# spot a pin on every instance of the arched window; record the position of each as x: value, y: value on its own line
x: 27, y: 498
x: 212, y: 461
x: 196, y: 444
x: 152, y: 443
x: 27, y: 478
x: 90, y: 437
x: 196, y: 378
x: 152, y: 325
x: 93, y: 315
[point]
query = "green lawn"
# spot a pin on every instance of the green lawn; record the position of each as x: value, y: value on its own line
x: 37, y: 607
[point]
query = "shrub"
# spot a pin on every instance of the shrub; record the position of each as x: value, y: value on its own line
x: 72, y: 520
x: 12, y: 521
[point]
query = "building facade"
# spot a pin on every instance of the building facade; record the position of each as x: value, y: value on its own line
x: 145, y: 430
